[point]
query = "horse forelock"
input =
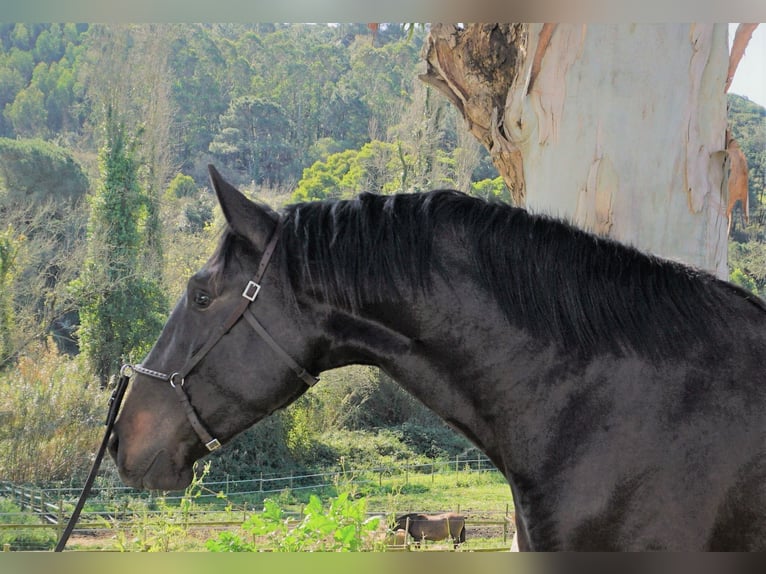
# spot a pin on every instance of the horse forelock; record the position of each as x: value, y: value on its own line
x: 548, y: 277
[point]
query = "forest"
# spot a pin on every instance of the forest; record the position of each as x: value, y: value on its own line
x: 105, y: 211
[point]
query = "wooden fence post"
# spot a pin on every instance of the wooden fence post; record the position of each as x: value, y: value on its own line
x: 506, y: 518
x: 60, y: 521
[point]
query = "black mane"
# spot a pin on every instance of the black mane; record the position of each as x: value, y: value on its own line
x: 548, y: 277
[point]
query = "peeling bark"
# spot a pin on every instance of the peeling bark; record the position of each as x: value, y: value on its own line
x: 474, y: 68
x: 741, y: 40
x: 594, y: 202
x: 620, y: 128
x: 738, y: 173
x: 738, y: 180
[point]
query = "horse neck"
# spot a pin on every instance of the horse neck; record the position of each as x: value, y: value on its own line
x: 442, y: 347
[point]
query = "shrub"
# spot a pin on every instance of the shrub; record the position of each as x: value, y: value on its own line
x: 181, y: 186
x: 52, y: 417
x: 23, y: 538
x: 739, y: 277
x: 369, y: 449
x: 342, y: 526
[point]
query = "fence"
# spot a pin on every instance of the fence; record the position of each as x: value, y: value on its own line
x: 46, y: 510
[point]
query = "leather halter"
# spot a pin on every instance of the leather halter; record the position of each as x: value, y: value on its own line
x: 178, y: 378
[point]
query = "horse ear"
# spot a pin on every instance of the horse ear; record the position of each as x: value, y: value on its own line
x: 253, y: 221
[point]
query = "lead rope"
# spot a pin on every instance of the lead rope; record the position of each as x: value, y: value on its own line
x: 114, y: 406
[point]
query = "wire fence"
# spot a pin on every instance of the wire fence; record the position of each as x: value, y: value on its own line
x: 33, y: 517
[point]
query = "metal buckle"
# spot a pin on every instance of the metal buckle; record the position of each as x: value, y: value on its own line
x: 213, y: 445
x: 255, y: 287
x: 173, y: 377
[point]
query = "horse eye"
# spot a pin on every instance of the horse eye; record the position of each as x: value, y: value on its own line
x: 202, y: 299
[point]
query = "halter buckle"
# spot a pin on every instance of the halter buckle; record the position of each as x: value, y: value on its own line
x: 251, y: 291
x: 213, y: 445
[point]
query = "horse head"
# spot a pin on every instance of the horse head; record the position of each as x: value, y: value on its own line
x: 227, y: 357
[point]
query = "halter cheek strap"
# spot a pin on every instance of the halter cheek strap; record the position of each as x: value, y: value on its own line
x: 178, y: 378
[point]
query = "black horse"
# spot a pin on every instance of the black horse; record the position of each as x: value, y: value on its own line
x: 623, y: 396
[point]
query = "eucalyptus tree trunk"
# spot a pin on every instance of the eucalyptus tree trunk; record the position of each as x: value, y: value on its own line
x: 619, y: 128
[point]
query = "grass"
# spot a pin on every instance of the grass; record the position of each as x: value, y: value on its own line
x: 464, y: 492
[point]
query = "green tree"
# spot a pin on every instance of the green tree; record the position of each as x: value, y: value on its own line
x: 323, y: 179
x: 27, y: 113
x: 491, y: 189
x: 21, y: 36
x: 377, y: 167
x: 198, y: 86
x: 49, y: 46
x: 181, y: 186
x: 33, y: 170
x: 122, y: 310
x: 381, y: 79
x: 254, y: 138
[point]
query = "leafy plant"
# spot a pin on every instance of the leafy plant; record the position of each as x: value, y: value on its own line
x: 164, y: 529
x: 23, y: 538
x: 341, y: 526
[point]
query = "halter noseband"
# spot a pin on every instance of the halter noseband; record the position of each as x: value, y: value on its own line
x: 178, y: 378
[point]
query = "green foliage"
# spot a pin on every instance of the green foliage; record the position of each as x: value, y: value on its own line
x: 254, y: 138
x: 166, y: 527
x: 341, y: 526
x: 435, y: 440
x: 121, y: 310
x: 747, y: 248
x: 747, y: 122
x: 23, y: 538
x: 39, y: 93
x: 188, y: 208
x: 52, y: 417
x: 747, y: 262
x: 10, y: 243
x: 374, y: 167
x: 491, y: 189
x: 368, y: 449
x: 181, y: 186
x: 27, y: 113
x: 35, y: 170
x: 262, y: 448
x: 739, y: 277
x: 323, y: 179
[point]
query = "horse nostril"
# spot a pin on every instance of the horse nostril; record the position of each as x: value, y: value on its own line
x: 113, y: 445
